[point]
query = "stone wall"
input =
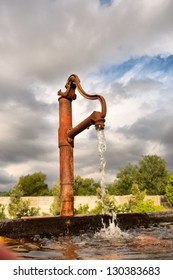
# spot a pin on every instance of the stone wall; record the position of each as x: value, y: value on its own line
x: 44, y: 202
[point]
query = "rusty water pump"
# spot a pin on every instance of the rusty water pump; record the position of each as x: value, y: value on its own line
x: 66, y: 138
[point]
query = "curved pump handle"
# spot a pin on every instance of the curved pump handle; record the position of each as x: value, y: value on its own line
x: 74, y: 81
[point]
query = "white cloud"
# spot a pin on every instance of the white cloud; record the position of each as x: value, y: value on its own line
x: 120, y: 50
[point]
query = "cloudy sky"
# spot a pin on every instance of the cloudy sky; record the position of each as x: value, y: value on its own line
x: 121, y: 49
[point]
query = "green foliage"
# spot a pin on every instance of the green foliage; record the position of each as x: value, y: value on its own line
x: 17, y: 207
x: 55, y: 206
x: 153, y: 175
x: 150, y: 174
x: 15, y: 200
x: 2, y: 211
x: 113, y: 208
x: 97, y: 209
x: 82, y: 209
x: 169, y: 190
x: 137, y: 203
x: 147, y: 206
x: 23, y: 209
x: 85, y: 186
x: 137, y: 197
x: 34, y: 184
x: 125, y: 178
x: 107, y: 204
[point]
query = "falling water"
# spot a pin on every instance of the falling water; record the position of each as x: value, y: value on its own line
x: 101, y: 150
x: 111, y: 230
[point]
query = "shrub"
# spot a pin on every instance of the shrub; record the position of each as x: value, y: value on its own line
x: 137, y: 203
x: 17, y: 207
x: 147, y: 206
x: 55, y: 206
x: 23, y: 209
x: 2, y: 211
x: 169, y: 190
x: 107, y: 204
x: 136, y: 198
x: 82, y: 209
x: 113, y: 209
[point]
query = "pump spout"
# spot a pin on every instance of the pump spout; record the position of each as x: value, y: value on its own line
x: 94, y: 119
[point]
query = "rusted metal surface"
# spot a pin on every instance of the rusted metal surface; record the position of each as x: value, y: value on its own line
x: 66, y: 138
x: 66, y: 158
x: 74, y: 81
x: 95, y: 118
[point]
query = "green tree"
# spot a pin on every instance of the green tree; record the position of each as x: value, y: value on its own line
x: 34, y: 184
x: 169, y: 190
x: 85, y: 186
x: 152, y: 174
x: 125, y: 178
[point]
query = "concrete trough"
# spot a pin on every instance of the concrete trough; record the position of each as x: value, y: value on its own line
x: 75, y: 225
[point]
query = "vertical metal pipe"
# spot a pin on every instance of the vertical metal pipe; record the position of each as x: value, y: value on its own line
x: 66, y: 158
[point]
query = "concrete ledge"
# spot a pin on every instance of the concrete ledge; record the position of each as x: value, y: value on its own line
x: 132, y: 220
x: 49, y: 226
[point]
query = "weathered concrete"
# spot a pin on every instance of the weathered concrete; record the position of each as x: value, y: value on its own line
x: 133, y: 220
x: 48, y: 226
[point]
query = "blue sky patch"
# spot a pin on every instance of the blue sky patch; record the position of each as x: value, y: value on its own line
x: 106, y: 2
x: 148, y: 65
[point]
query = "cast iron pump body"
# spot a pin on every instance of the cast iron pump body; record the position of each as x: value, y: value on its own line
x: 66, y: 136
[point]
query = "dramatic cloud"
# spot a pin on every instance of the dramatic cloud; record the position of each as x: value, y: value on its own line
x: 121, y: 49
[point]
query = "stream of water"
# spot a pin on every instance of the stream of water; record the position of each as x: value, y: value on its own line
x: 101, y: 150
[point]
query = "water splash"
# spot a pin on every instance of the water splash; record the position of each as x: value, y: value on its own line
x: 112, y: 231
x: 101, y: 149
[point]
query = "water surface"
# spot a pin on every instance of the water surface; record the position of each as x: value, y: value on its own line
x: 150, y: 243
